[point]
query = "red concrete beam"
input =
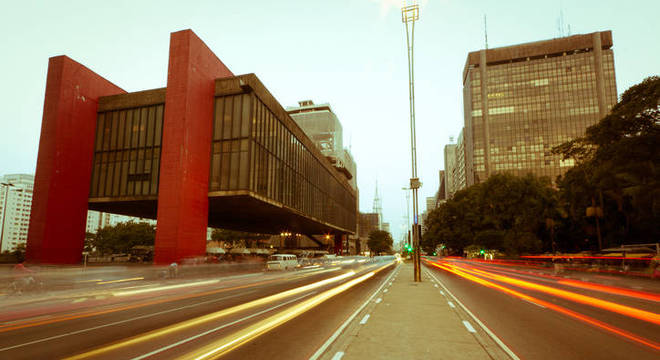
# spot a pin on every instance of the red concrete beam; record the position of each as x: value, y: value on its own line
x: 64, y: 163
x: 186, y: 150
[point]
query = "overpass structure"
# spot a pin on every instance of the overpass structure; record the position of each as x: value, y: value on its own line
x: 210, y: 149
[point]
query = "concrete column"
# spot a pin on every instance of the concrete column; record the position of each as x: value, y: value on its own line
x: 64, y: 164
x: 484, y: 110
x: 600, y: 77
x: 186, y: 155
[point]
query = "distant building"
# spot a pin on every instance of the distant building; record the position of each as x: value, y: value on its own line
x: 367, y: 223
x: 15, y: 206
x: 385, y: 226
x: 450, y: 165
x: 323, y: 127
x: 522, y: 100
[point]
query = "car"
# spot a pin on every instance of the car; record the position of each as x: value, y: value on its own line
x: 281, y: 262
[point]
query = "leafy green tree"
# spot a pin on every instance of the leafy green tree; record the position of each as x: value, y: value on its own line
x: 122, y: 237
x: 618, y: 169
x: 380, y: 241
x: 236, y: 237
x: 505, y: 212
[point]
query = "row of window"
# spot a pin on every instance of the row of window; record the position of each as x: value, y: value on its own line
x: 127, y: 152
x: 253, y: 150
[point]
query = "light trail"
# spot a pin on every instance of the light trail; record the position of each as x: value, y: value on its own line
x: 38, y: 322
x: 209, y: 317
x: 586, y: 319
x: 119, y: 281
x: 227, y: 344
x: 583, y: 299
x: 582, y: 284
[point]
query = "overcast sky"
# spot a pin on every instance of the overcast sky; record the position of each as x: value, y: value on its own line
x: 349, y: 53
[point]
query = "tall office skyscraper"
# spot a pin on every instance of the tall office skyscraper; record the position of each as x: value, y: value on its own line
x: 520, y: 101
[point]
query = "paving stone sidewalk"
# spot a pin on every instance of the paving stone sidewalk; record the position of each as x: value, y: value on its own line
x: 413, y: 321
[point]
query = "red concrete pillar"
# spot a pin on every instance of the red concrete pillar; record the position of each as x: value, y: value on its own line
x: 186, y: 151
x: 64, y: 163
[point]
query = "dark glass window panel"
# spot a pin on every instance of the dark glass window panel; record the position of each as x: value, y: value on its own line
x: 113, y: 131
x: 224, y: 171
x: 245, y: 118
x: 243, y: 170
x: 218, y: 118
x: 99, y: 131
x: 236, y: 117
x: 159, y: 125
x: 124, y: 173
x: 227, y: 118
x: 151, y: 126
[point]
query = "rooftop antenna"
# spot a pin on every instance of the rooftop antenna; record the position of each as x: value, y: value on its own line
x: 486, y: 31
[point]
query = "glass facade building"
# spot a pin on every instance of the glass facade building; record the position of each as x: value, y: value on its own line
x: 521, y: 101
x: 127, y: 146
x: 259, y: 151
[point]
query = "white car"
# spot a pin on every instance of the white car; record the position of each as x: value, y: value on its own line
x: 282, y: 262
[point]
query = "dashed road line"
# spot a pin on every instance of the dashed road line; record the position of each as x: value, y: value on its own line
x: 364, y: 319
x: 469, y: 327
x: 338, y: 355
x: 379, y: 300
x: 451, y: 304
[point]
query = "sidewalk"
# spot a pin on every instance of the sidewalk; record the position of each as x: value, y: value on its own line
x: 413, y: 321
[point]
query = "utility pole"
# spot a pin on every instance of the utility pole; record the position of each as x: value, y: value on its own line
x: 410, y: 14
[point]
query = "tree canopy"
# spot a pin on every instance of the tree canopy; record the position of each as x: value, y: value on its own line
x: 122, y: 237
x: 618, y: 169
x: 506, y: 212
x: 380, y: 241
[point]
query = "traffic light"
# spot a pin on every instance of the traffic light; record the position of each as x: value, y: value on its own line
x: 482, y: 252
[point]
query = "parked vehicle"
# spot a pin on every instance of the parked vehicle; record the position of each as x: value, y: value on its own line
x: 281, y: 262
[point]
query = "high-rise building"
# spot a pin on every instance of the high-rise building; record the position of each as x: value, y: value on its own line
x: 15, y: 206
x: 450, y: 164
x: 322, y: 126
x: 522, y: 100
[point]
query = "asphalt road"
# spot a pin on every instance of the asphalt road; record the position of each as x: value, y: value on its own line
x: 272, y: 315
x: 542, y: 316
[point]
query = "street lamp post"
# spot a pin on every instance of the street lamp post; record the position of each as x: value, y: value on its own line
x: 410, y: 14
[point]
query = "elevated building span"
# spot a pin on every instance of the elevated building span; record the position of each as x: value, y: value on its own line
x: 209, y: 150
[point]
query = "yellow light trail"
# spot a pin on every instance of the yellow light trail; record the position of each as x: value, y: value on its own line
x: 119, y: 281
x: 549, y: 305
x: 229, y: 343
x: 209, y: 317
x: 579, y: 298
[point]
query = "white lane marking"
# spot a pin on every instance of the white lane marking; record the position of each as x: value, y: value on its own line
x: 469, y: 326
x: 390, y: 284
x: 334, y: 336
x: 338, y: 355
x: 451, y: 304
x: 384, y: 291
x: 436, y: 285
x: 364, y: 319
x: 120, y: 322
x: 219, y: 327
x: 78, y: 300
x: 379, y: 300
x: 442, y: 293
x: 533, y: 303
x: 492, y: 335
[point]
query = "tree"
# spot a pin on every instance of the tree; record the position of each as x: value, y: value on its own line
x: 380, y: 241
x: 506, y: 212
x: 122, y: 237
x: 235, y: 237
x: 618, y: 169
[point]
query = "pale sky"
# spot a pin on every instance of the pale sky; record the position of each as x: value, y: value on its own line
x: 349, y: 53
